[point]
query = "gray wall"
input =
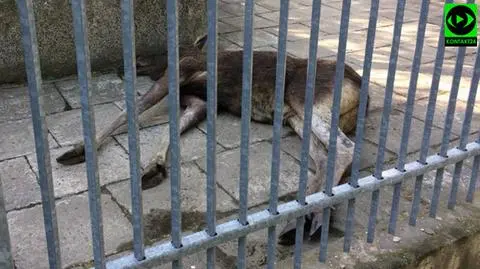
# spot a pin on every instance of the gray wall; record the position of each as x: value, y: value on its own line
x: 55, y: 34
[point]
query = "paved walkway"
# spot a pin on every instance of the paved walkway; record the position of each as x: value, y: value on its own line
x: 19, y: 172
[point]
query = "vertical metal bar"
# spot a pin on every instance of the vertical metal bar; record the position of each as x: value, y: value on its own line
x: 447, y: 131
x: 173, y: 115
x: 473, y: 180
x: 437, y: 71
x: 128, y: 38
x: 6, y: 259
x: 277, y: 128
x: 32, y: 66
x: 245, y: 137
x: 409, y: 112
x: 387, y: 108
x: 471, y: 102
x: 372, y: 25
x: 452, y: 199
x: 307, y: 126
x: 476, y: 160
x: 446, y: 134
x: 88, y: 124
x: 335, y: 111
x: 212, y: 11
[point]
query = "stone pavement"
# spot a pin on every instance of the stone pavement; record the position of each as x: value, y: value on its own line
x: 18, y: 167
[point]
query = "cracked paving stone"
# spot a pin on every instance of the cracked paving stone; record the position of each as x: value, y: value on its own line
x: 69, y: 179
x: 229, y: 130
x: 17, y: 139
x: 19, y: 184
x: 193, y: 195
x: 28, y: 235
x: 67, y: 126
x: 15, y: 102
x: 394, y: 135
x: 105, y: 88
x: 193, y: 143
x: 228, y: 170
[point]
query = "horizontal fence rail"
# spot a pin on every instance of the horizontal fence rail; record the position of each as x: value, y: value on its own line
x: 276, y: 213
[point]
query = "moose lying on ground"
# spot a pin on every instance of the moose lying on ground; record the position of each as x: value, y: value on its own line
x: 192, y: 80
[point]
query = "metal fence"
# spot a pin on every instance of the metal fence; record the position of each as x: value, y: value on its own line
x: 247, y: 223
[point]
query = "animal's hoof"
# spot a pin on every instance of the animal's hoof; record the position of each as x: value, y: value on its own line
x: 153, y: 175
x: 312, y: 230
x: 287, y: 235
x: 73, y: 156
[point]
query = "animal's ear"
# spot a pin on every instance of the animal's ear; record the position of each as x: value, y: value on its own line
x: 200, y: 42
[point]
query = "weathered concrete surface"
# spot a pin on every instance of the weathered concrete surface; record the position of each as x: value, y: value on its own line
x: 228, y: 173
x: 20, y: 185
x: 17, y: 139
x: 67, y: 127
x: 28, y: 236
x: 15, y: 103
x: 56, y: 41
x: 156, y: 205
x: 112, y: 166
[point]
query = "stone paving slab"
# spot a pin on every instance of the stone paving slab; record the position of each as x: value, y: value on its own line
x: 408, y: 42
x: 19, y: 184
x: 372, y: 130
x: 403, y: 74
x: 193, y: 186
x: 229, y: 131
x: 226, y: 28
x: 156, y: 204
x: 112, y: 167
x: 228, y: 173
x: 359, y: 16
x: 15, y: 102
x: 275, y: 5
x: 303, y: 15
x: 327, y: 45
x: 238, y: 22
x: 420, y: 110
x: 28, y: 236
x: 149, y: 141
x: 261, y: 38
x: 296, y: 31
x: 17, y: 139
x: 67, y: 127
x: 467, y: 74
x: 234, y: 9
x: 105, y: 88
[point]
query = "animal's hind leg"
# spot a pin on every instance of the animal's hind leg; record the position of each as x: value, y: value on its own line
x: 155, y: 170
x: 321, y: 120
x: 318, y: 153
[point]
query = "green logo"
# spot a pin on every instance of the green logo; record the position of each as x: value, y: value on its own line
x: 460, y: 25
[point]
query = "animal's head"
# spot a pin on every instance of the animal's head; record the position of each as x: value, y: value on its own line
x: 154, y: 65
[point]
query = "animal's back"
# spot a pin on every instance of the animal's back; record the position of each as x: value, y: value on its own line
x: 264, y: 78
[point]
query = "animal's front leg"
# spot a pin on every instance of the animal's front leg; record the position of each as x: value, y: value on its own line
x: 155, y: 170
x: 77, y: 155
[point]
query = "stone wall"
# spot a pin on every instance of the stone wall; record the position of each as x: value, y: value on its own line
x: 56, y: 39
